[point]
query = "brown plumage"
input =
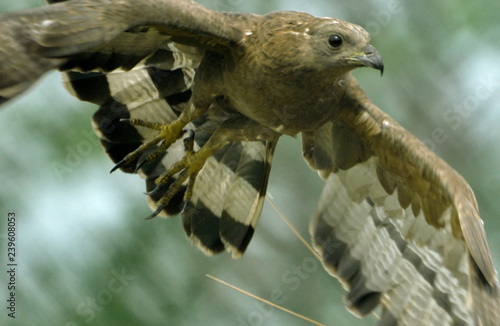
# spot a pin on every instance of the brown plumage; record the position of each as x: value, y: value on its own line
x: 241, y: 81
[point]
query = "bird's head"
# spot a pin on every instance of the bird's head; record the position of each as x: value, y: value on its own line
x: 342, y: 46
x: 325, y: 46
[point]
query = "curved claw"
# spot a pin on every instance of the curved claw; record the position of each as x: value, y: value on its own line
x: 140, y: 165
x: 118, y: 165
x: 156, y: 212
x: 154, y: 191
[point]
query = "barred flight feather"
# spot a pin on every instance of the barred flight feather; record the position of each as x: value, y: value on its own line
x: 385, y: 255
x: 229, y: 192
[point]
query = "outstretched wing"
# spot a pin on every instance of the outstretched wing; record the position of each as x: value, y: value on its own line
x: 396, y: 225
x: 105, y: 34
x: 137, y: 59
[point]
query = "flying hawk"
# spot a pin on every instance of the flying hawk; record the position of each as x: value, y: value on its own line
x: 195, y: 101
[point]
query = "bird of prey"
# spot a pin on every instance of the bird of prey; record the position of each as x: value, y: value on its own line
x: 194, y: 101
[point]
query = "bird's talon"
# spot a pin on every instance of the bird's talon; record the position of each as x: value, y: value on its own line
x: 118, y: 165
x: 156, y: 212
x: 154, y: 191
x: 141, y: 164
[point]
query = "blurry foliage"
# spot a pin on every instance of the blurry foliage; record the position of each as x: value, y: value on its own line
x: 78, y: 230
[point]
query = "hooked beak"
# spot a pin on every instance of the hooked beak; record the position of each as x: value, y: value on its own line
x: 369, y: 58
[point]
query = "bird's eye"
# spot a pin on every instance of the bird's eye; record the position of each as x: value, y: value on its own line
x: 335, y: 40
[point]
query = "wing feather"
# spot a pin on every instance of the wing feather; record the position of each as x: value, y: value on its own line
x: 402, y: 225
x: 229, y: 191
x: 97, y: 34
x: 245, y: 200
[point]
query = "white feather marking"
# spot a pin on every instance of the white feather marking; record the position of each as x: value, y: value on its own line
x: 279, y: 128
x: 185, y: 56
x: 254, y: 150
x: 132, y: 88
x: 212, y: 185
x: 188, y: 76
x: 241, y: 201
x: 358, y: 180
x: 47, y: 23
x: 392, y: 207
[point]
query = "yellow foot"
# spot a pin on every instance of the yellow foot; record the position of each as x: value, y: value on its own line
x: 188, y: 167
x: 167, y: 135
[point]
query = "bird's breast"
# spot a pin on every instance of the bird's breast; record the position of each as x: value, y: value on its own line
x: 286, y: 104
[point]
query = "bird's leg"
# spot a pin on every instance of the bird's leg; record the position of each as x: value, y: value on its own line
x: 167, y: 135
x: 235, y: 129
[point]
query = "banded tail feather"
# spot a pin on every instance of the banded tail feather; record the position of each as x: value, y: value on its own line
x: 228, y: 197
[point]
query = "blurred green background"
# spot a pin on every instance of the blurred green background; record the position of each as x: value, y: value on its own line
x: 86, y: 256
